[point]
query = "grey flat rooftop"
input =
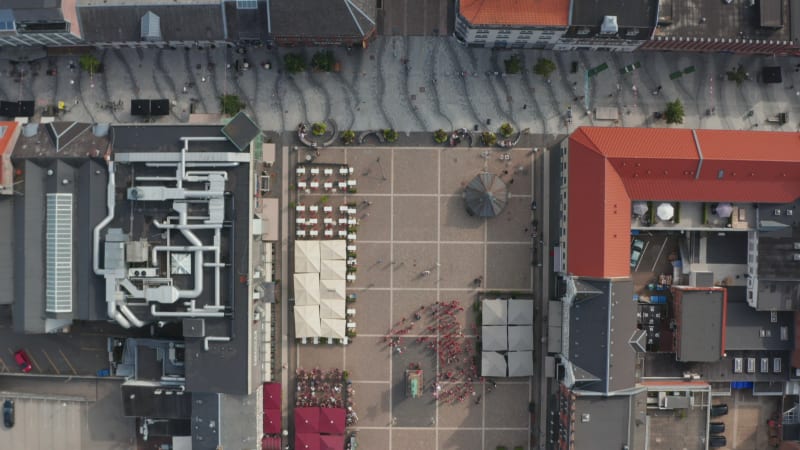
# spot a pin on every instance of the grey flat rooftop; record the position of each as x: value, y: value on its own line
x: 140, y: 400
x: 321, y: 18
x: 748, y: 329
x: 700, y: 328
x: 778, y: 273
x: 630, y: 13
x: 605, y: 422
x: 121, y: 22
x: 736, y: 20
x: 241, y: 130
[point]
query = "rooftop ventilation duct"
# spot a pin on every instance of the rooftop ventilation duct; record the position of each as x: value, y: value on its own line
x: 609, y: 25
x: 100, y: 129
x: 30, y: 129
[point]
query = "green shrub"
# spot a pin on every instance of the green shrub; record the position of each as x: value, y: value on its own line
x: 440, y: 136
x: 513, y: 64
x: 348, y: 137
x: 506, y: 130
x: 231, y: 104
x: 544, y: 67
x: 488, y: 138
x: 294, y: 62
x: 323, y: 61
x: 674, y: 112
x: 318, y: 128
x: 390, y: 135
x: 89, y: 63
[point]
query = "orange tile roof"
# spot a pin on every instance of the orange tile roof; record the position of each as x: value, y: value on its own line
x: 610, y: 167
x: 6, y: 146
x: 516, y: 12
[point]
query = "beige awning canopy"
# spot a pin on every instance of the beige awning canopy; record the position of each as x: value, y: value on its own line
x: 306, y: 321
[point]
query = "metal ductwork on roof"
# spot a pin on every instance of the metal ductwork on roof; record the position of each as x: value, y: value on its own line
x: 609, y: 25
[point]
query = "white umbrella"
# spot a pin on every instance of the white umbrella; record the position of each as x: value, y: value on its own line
x: 332, y: 309
x: 306, y: 321
x: 306, y: 289
x: 335, y: 249
x: 306, y: 256
x: 333, y: 328
x: 665, y: 211
x: 640, y: 208
x: 494, y: 338
x: 332, y: 289
x: 724, y: 210
x: 333, y: 269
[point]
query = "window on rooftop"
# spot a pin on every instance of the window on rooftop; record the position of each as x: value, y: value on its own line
x: 721, y: 174
x: 246, y: 4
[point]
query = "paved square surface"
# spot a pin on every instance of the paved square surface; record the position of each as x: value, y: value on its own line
x: 417, y: 246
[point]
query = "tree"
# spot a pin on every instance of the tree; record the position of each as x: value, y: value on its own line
x: 294, y: 62
x: 739, y: 75
x: 513, y: 64
x: 89, y: 63
x: 323, y: 61
x: 488, y: 138
x: 390, y: 135
x: 674, y: 112
x: 348, y: 137
x: 506, y: 130
x: 544, y: 67
x: 440, y: 136
x: 318, y: 128
x: 231, y: 104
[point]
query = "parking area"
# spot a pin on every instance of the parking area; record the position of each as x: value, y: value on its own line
x: 677, y: 429
x: 82, y: 351
x: 55, y: 415
x: 416, y: 246
x: 746, y: 422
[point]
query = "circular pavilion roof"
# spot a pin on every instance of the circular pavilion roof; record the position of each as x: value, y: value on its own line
x: 486, y: 195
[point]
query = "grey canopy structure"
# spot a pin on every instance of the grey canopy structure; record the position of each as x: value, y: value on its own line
x: 486, y: 195
x: 493, y: 364
x: 520, y: 337
x: 520, y: 312
x: 494, y: 312
x: 520, y: 364
x: 494, y: 338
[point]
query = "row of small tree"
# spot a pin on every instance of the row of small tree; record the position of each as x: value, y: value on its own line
x: 322, y: 61
x: 543, y: 66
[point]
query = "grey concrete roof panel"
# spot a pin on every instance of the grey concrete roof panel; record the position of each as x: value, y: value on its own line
x: 179, y: 22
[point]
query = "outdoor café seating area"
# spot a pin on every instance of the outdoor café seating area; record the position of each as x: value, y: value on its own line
x: 324, y: 221
x: 325, y: 179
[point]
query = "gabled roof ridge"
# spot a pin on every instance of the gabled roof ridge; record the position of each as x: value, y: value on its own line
x: 589, y: 143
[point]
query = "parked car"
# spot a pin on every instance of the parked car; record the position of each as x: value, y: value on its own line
x: 8, y: 413
x: 719, y: 410
x: 717, y: 442
x: 637, y: 248
x: 717, y: 427
x: 23, y: 361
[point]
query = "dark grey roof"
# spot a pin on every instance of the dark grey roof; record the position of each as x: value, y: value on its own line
x: 609, y: 422
x: 139, y: 399
x: 246, y: 24
x: 485, y: 195
x: 630, y: 13
x: 700, y: 325
x: 241, y: 130
x: 179, y: 22
x: 7, y: 249
x: 321, y: 18
x: 166, y: 138
x: 748, y: 329
x: 205, y: 421
x: 778, y: 273
x: 28, y: 309
x: 737, y: 20
x: 31, y: 4
x: 601, y: 328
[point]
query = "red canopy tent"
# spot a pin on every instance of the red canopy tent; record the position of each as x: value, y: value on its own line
x: 271, y: 443
x: 272, y: 421
x: 272, y: 396
x: 331, y: 442
x: 306, y: 441
x: 306, y: 420
x: 331, y: 420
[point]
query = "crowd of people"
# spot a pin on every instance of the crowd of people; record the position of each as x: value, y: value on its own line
x: 457, y: 367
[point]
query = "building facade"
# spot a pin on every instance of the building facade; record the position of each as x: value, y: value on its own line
x: 506, y: 24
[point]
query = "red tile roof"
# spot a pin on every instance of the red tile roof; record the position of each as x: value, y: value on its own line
x: 516, y: 12
x: 610, y: 167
